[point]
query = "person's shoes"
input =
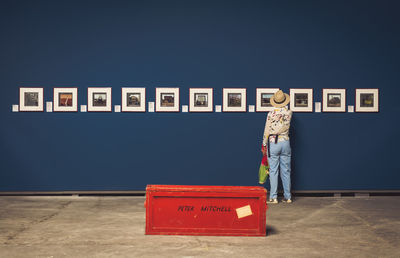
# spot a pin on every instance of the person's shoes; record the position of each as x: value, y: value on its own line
x: 287, y: 200
x: 272, y: 201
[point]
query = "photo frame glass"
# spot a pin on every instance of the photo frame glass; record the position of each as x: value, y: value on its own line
x: 65, y: 99
x: 167, y: 100
x: 200, y: 100
x: 301, y: 100
x: 99, y: 99
x: 334, y: 100
x: 30, y: 99
x: 266, y: 99
x: 263, y: 97
x: 133, y: 99
x: 234, y: 100
x: 367, y: 100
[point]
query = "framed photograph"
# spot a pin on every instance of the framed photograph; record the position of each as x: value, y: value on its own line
x: 201, y: 100
x: 263, y: 96
x: 31, y: 99
x: 367, y: 100
x: 65, y: 99
x: 234, y: 100
x: 99, y: 99
x: 133, y: 99
x: 167, y: 100
x: 333, y: 100
x: 301, y: 100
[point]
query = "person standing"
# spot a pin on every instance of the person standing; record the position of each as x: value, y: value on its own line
x: 277, y: 146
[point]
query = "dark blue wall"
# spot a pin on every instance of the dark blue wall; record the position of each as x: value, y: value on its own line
x: 287, y: 44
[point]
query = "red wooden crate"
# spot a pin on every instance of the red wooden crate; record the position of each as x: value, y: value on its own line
x: 205, y: 210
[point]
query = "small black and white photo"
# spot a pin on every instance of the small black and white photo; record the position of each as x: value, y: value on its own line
x: 99, y: 99
x: 333, y: 100
x: 167, y: 99
x: 200, y: 100
x: 133, y: 99
x: 301, y: 100
x: 30, y: 99
x: 234, y: 100
x: 367, y: 100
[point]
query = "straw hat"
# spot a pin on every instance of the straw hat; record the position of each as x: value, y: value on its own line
x: 280, y: 99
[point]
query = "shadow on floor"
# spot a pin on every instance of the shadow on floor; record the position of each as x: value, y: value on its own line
x: 271, y: 231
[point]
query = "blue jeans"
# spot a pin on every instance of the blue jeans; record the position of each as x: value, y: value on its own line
x: 281, y: 154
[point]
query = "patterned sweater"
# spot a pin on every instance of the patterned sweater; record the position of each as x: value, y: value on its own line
x: 278, y: 122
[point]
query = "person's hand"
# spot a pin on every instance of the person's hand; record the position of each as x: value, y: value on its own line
x: 264, y: 151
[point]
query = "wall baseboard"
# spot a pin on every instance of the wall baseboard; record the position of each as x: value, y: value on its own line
x: 298, y: 193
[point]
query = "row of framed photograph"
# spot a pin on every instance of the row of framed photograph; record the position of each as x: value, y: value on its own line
x: 200, y: 99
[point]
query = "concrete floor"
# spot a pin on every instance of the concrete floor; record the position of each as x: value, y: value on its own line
x: 114, y: 227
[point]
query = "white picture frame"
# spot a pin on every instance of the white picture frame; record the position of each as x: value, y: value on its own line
x: 201, y: 100
x: 65, y: 99
x: 263, y: 96
x: 167, y: 100
x: 301, y: 100
x: 133, y: 99
x: 99, y: 99
x: 31, y: 99
x: 333, y: 100
x: 367, y: 100
x: 234, y: 100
